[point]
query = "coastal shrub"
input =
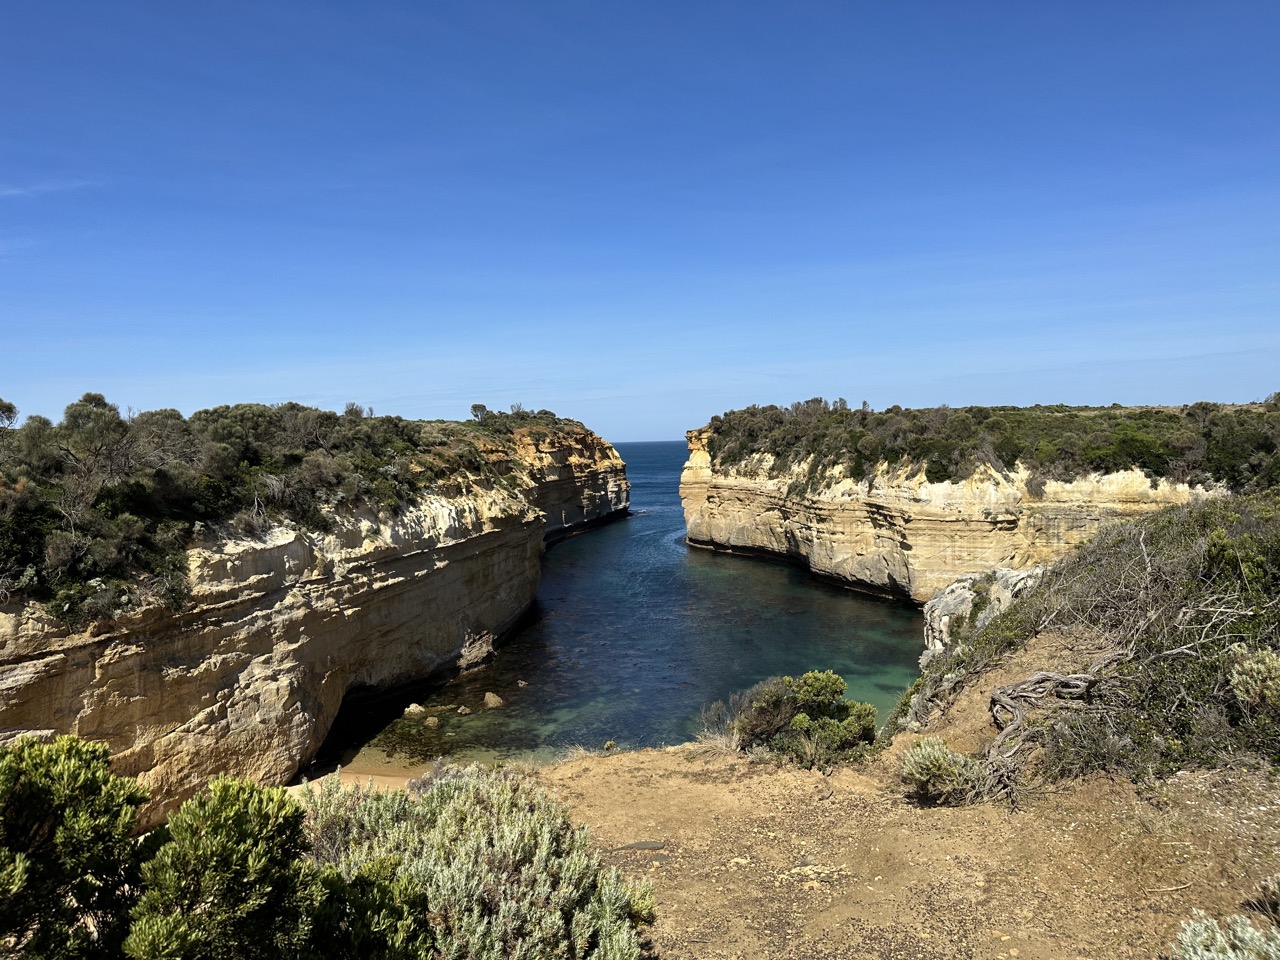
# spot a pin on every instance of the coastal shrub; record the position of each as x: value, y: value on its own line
x: 805, y: 719
x: 69, y: 863
x: 1203, y: 938
x: 938, y: 775
x: 229, y: 882
x: 1255, y: 678
x: 481, y: 864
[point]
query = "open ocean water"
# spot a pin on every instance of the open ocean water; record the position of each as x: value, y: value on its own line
x: 633, y: 633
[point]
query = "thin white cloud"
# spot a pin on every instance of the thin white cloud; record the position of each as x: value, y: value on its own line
x: 48, y: 186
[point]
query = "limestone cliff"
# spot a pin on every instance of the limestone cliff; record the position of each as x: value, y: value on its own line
x: 249, y: 677
x: 973, y: 600
x: 896, y: 533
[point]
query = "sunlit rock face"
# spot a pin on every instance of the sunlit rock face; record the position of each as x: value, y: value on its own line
x: 896, y: 533
x: 248, y: 679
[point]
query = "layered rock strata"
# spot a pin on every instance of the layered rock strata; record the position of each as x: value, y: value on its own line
x: 248, y: 679
x: 897, y: 534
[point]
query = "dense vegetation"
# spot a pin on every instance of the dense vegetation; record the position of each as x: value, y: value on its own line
x: 467, y: 865
x: 1204, y: 442
x: 804, y: 719
x: 96, y: 510
x: 1184, y: 610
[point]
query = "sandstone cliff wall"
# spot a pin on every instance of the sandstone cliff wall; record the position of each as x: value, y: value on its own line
x: 249, y: 678
x: 897, y: 534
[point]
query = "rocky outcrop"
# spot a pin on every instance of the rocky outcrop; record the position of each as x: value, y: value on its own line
x: 896, y: 533
x: 247, y: 680
x: 973, y: 601
x: 575, y: 486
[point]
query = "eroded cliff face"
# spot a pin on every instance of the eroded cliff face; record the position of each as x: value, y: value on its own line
x: 897, y: 534
x: 249, y: 678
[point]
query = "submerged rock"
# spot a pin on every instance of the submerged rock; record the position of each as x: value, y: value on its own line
x: 464, y: 711
x: 492, y: 701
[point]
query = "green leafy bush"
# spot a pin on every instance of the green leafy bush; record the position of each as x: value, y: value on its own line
x: 229, y: 882
x: 68, y: 859
x: 936, y: 774
x: 806, y: 719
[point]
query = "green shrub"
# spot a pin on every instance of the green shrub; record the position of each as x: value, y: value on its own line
x: 1202, y: 938
x: 805, y: 719
x: 482, y: 864
x: 68, y: 859
x: 229, y: 882
x: 762, y: 712
x: 938, y: 775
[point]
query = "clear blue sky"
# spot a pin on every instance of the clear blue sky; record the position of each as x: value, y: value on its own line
x: 638, y: 214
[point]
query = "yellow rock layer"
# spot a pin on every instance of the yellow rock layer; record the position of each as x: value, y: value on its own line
x: 897, y: 533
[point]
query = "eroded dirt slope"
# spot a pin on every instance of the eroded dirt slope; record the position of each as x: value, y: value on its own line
x: 753, y: 861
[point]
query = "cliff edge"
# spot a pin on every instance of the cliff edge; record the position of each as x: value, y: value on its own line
x: 894, y: 532
x: 248, y: 677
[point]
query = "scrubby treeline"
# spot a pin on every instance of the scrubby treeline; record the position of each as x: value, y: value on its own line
x: 97, y: 509
x: 467, y: 865
x: 1204, y: 442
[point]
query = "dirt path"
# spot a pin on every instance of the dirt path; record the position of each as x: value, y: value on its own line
x: 760, y: 862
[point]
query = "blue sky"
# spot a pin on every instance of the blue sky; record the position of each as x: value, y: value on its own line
x: 638, y: 214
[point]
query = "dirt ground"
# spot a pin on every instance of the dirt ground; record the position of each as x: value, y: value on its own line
x: 754, y: 861
x: 749, y: 860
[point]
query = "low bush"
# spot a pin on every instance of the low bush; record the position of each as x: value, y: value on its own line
x: 804, y: 719
x: 477, y: 860
x: 1203, y: 938
x: 938, y: 775
x: 69, y: 862
x: 230, y: 880
x: 469, y: 865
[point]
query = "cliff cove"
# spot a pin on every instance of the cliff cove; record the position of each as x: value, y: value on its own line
x: 632, y: 634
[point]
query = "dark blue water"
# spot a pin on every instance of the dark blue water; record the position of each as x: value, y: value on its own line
x: 634, y: 633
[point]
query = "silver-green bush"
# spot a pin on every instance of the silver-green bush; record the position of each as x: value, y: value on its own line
x: 939, y: 775
x: 487, y: 865
x: 1203, y: 938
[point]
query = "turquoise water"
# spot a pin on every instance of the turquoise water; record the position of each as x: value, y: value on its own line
x: 634, y: 633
